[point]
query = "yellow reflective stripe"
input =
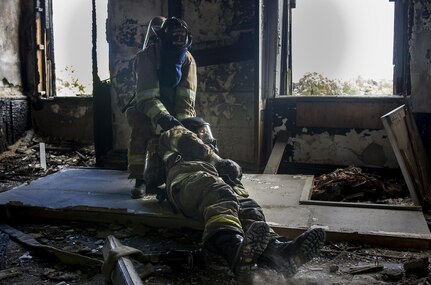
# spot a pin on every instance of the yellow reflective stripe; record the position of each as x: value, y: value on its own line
x: 213, y: 158
x: 182, y: 116
x: 136, y: 159
x: 174, y: 140
x: 180, y: 177
x: 187, y: 93
x: 147, y: 94
x: 224, y: 219
x: 156, y: 109
x: 167, y: 154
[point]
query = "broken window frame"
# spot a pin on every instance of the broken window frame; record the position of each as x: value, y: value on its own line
x: 279, y: 33
x: 44, y: 57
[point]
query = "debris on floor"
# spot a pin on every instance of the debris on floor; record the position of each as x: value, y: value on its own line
x: 21, y: 163
x: 351, y: 184
x: 338, y: 263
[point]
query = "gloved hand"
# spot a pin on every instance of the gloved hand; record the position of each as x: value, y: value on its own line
x: 167, y: 122
x: 231, y: 173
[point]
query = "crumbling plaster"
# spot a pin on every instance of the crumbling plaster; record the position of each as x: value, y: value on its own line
x: 365, y: 148
x: 316, y: 143
x: 225, y: 100
x: 420, y: 52
x: 126, y: 28
x: 218, y: 22
x: 10, y: 71
x: 66, y: 118
x: 225, y: 91
x: 14, y: 108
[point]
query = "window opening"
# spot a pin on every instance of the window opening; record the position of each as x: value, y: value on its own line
x: 342, y: 47
x: 72, y: 24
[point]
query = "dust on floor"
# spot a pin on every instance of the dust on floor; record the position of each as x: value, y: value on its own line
x: 338, y: 263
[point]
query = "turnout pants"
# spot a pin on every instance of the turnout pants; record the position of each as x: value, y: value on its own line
x: 141, y: 133
x: 196, y: 190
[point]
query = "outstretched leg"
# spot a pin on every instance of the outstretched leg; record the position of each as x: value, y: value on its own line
x: 287, y: 257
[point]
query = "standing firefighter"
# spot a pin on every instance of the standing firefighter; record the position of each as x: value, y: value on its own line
x: 205, y: 187
x: 165, y: 94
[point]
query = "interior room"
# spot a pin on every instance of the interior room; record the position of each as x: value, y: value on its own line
x: 322, y: 109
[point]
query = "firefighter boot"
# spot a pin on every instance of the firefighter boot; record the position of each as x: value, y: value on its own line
x: 138, y: 190
x: 286, y: 257
x: 240, y: 252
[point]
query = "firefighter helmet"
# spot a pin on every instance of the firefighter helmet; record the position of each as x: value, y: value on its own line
x: 202, y: 129
x: 175, y: 33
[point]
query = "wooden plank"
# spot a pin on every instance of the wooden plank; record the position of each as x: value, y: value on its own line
x: 409, y: 151
x: 373, y: 239
x: 421, y: 159
x: 342, y: 114
x: 275, y: 157
x: 359, y: 205
x: 100, y: 195
x: 42, y: 155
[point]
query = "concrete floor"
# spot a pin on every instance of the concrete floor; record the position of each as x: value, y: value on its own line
x: 104, y: 196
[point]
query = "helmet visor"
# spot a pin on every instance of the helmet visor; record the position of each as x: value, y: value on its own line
x: 205, y: 134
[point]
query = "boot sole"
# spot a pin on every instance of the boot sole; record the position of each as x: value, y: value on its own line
x: 307, y: 249
x: 254, y: 244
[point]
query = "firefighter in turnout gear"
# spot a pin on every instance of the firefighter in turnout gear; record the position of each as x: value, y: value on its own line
x: 166, y: 83
x: 203, y: 186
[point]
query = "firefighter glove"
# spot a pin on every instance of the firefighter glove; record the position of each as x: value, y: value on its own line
x: 167, y: 122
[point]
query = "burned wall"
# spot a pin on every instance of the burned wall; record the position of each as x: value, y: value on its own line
x: 223, y: 37
x: 13, y: 120
x: 420, y: 57
x: 334, y: 131
x: 14, y: 107
x: 126, y: 28
x: 420, y: 69
x: 224, y: 46
x: 225, y: 99
x: 66, y: 118
x: 9, y: 48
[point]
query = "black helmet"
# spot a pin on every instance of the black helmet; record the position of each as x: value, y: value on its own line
x: 202, y: 129
x: 156, y: 23
x: 194, y: 123
x: 175, y: 33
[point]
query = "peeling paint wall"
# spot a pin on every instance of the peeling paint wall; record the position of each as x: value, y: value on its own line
x: 361, y: 148
x: 13, y: 120
x: 225, y: 100
x: 66, y: 118
x: 218, y: 22
x: 337, y: 145
x: 420, y: 69
x: 126, y: 28
x: 9, y: 39
x: 14, y: 108
x: 225, y: 94
x: 420, y: 57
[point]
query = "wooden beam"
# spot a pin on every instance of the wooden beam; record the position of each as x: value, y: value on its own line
x: 275, y: 157
x: 400, y: 136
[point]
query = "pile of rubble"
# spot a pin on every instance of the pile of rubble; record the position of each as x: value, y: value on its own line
x: 351, y: 184
x: 339, y: 263
x: 32, y: 157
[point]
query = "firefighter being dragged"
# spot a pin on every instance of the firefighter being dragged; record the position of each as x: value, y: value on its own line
x: 205, y: 187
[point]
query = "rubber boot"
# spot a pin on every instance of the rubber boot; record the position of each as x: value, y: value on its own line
x: 138, y: 190
x: 286, y: 257
x: 241, y: 253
